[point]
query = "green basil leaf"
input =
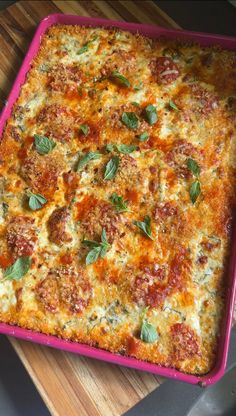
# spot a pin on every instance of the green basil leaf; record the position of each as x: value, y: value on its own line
x: 111, y: 168
x: 93, y: 255
x: 87, y: 158
x: 82, y: 50
x: 143, y: 137
x: 99, y: 249
x: 126, y: 149
x: 91, y: 243
x: 173, y: 105
x: 85, y: 47
x: 194, y: 191
x: 43, y: 145
x: 119, y: 77
x: 193, y: 166
x: 148, y: 333
x: 145, y: 226
x: 118, y: 202
x: 36, y: 201
x: 130, y: 120
x: 84, y: 128
x: 18, y: 269
x: 150, y: 113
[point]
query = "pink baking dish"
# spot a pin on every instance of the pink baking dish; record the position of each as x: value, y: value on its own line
x: 151, y: 31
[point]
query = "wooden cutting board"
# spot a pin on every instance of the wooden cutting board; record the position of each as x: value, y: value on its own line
x: 69, y: 384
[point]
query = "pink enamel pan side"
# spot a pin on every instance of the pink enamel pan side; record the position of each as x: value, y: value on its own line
x: 152, y: 31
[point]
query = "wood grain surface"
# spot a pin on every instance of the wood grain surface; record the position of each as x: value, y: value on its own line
x: 72, y: 385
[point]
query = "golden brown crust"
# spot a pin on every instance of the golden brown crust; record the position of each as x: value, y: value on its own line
x: 21, y: 236
x: 57, y: 226
x: 41, y: 173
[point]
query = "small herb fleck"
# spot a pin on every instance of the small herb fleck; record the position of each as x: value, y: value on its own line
x: 84, y: 48
x: 118, y: 202
x: 173, y: 53
x: 139, y: 86
x: 143, y: 137
x: 5, y: 207
x: 84, y: 128
x: 173, y: 106
x: 109, y: 147
x: 43, y: 68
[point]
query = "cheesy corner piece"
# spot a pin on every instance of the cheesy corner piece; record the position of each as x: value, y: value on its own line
x: 116, y: 186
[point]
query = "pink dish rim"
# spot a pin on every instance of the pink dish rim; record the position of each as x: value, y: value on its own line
x: 153, y: 31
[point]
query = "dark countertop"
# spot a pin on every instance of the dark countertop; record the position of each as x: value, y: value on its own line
x: 18, y: 396
x: 214, y: 16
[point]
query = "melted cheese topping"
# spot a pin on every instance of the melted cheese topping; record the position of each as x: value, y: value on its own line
x: 176, y: 280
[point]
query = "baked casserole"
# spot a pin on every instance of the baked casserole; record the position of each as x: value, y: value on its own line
x: 117, y: 192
